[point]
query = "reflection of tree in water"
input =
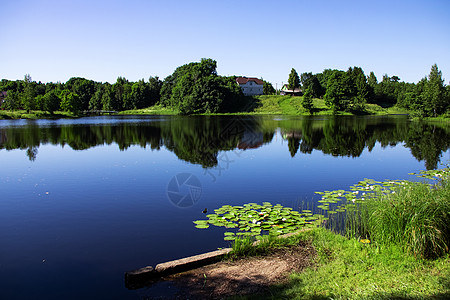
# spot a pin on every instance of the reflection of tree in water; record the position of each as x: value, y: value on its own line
x: 350, y: 136
x: 199, y: 140
x: 32, y: 153
x: 427, y: 142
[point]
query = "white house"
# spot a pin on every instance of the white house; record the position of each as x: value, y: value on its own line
x: 250, y: 86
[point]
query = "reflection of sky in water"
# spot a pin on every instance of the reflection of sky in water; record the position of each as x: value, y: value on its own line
x: 100, y: 212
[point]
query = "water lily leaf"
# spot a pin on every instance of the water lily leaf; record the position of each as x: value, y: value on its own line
x: 202, y: 226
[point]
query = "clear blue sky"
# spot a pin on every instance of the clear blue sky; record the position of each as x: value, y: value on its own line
x: 54, y: 40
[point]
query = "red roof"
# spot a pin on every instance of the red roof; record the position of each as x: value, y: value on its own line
x: 244, y: 80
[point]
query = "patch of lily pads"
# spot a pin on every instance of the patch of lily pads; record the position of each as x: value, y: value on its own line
x: 369, y: 188
x: 254, y: 220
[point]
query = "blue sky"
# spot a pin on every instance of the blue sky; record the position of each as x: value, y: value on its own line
x: 53, y: 40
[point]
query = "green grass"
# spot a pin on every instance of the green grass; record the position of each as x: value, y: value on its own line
x: 415, y: 216
x: 153, y: 110
x: 243, y: 247
x: 34, y: 114
x: 287, y: 105
x: 348, y: 269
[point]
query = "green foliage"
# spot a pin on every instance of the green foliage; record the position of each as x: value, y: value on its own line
x: 96, y: 100
x: 360, y: 89
x: 307, y: 101
x: 121, y: 95
x: 293, y: 80
x: 84, y: 88
x: 268, y: 88
x: 70, y: 102
x: 247, y: 246
x: 310, y: 81
x: 12, y: 101
x: 51, y: 101
x: 27, y: 97
x: 196, y: 88
x: 338, y: 95
x: 434, y: 97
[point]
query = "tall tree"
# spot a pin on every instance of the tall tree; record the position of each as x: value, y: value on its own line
x: 338, y: 95
x: 154, y: 85
x: 294, y: 80
x: 28, y: 95
x: 359, y: 88
x: 307, y: 101
x: 311, y: 81
x: 434, y: 96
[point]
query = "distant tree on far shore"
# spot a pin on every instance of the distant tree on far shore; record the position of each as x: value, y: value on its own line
x: 268, y: 88
x: 294, y: 80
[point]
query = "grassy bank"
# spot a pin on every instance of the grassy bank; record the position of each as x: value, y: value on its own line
x: 348, y: 269
x: 395, y: 244
x: 288, y: 105
x: 34, y: 114
x: 277, y: 105
x: 153, y: 110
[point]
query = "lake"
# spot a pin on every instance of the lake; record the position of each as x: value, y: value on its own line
x: 84, y: 200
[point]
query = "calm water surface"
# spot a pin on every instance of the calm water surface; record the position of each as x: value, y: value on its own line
x: 82, y: 201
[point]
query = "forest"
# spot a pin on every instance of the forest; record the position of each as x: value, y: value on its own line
x: 196, y: 88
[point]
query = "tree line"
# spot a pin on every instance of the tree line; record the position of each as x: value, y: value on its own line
x: 197, y: 88
x: 351, y: 90
x: 80, y: 94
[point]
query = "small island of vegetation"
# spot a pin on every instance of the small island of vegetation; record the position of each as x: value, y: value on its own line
x: 196, y: 88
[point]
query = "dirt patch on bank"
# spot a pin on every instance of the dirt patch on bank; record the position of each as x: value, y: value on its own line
x: 252, y: 275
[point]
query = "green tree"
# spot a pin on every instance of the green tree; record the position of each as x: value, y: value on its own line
x: 268, y: 88
x: 293, y: 80
x: 307, y: 100
x: 51, y: 101
x: 107, y: 97
x: 140, y: 93
x: 360, y: 89
x: 338, y: 93
x: 434, y: 95
x: 154, y: 86
x: 39, y: 102
x: 70, y: 102
x: 12, y: 100
x: 372, y: 82
x: 28, y: 95
x: 122, y: 94
x: 311, y: 81
x: 84, y: 88
x: 95, y: 103
x: 196, y: 88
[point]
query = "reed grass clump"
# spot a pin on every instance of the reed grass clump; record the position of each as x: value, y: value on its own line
x: 415, y: 216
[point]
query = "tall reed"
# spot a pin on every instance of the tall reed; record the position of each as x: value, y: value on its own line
x: 415, y: 216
